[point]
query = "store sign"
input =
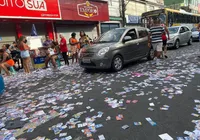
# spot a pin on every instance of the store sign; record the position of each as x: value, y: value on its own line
x: 37, y: 9
x: 87, y: 10
x: 133, y: 19
x: 84, y: 10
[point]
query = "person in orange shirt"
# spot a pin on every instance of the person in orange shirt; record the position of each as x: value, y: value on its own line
x: 7, y: 60
x: 74, y: 47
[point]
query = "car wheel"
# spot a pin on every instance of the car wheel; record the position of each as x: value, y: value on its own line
x: 117, y: 63
x: 151, y: 54
x: 177, y: 44
x: 190, y: 41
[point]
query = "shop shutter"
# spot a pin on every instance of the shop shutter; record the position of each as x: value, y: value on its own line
x: 66, y: 30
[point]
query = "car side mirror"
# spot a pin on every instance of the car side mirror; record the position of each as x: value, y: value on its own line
x: 126, y: 39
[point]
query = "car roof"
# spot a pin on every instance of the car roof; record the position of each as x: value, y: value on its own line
x: 175, y: 26
x: 128, y: 28
x: 180, y: 26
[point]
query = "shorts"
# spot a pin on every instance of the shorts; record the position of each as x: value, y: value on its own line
x: 157, y: 46
x: 25, y: 54
x: 10, y: 62
x: 164, y: 42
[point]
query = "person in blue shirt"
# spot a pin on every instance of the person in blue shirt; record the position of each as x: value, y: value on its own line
x: 47, y: 42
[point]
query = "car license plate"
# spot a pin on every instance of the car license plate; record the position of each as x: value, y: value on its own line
x: 86, y: 60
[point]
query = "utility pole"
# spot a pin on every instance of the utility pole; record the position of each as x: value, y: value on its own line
x: 123, y: 13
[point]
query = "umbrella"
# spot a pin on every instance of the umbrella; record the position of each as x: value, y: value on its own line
x: 33, y: 31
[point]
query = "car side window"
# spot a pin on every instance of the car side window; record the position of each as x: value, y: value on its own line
x: 186, y: 29
x: 182, y: 30
x: 143, y: 33
x: 132, y: 34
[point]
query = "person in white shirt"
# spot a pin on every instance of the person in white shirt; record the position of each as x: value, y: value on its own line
x: 51, y: 56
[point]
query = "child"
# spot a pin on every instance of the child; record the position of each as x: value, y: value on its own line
x: 164, y: 39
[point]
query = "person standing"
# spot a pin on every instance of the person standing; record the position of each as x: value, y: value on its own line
x: 74, y: 47
x: 156, y: 41
x: 164, y: 38
x: 63, y: 49
x: 84, y: 40
x: 24, y: 52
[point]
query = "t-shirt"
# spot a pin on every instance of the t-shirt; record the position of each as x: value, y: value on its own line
x: 156, y: 34
x: 23, y: 46
x: 164, y: 37
x: 63, y: 45
x: 51, y: 51
x: 47, y: 43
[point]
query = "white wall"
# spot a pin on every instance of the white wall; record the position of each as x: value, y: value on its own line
x: 135, y: 8
x: 113, y: 6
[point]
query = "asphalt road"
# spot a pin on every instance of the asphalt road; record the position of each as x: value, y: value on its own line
x: 98, y: 97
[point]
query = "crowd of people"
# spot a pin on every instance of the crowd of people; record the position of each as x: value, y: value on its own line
x: 19, y: 52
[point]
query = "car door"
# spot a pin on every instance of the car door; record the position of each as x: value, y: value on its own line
x: 143, y: 42
x: 188, y: 33
x: 130, y: 47
x: 182, y: 35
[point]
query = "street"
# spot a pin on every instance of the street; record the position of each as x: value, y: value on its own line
x: 83, y: 105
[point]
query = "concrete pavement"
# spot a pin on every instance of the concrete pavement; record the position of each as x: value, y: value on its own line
x: 83, y: 105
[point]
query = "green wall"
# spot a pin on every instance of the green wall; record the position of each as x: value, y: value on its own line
x: 170, y: 2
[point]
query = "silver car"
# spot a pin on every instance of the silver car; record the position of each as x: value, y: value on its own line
x: 195, y: 34
x: 116, y: 48
x: 179, y: 35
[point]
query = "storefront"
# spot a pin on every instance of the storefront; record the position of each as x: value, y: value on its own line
x: 81, y: 15
x: 17, y: 18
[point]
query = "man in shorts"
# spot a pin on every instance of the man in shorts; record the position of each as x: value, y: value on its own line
x: 155, y: 38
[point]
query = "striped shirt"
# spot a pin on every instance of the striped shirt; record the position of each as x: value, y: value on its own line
x: 156, y: 34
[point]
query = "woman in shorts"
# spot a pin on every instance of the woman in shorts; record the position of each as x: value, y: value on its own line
x: 24, y: 52
x: 7, y: 60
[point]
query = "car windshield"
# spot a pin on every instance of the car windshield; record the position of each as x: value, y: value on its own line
x: 111, y: 36
x: 194, y: 29
x: 173, y: 30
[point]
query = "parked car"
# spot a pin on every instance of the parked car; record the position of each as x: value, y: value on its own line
x: 116, y: 48
x: 195, y: 34
x: 179, y: 35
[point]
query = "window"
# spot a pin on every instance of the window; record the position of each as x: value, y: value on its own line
x: 111, y: 36
x: 143, y: 33
x: 182, y: 30
x: 186, y: 29
x: 108, y: 26
x: 132, y: 34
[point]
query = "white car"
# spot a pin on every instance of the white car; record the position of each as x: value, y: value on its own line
x: 179, y: 35
x: 195, y: 34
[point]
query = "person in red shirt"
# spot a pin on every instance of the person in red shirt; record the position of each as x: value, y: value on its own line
x: 63, y: 49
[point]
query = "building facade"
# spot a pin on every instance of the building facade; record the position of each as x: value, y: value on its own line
x: 135, y: 8
x: 51, y: 18
x: 114, y: 16
x: 192, y: 6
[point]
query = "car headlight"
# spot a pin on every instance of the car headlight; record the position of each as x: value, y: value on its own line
x: 103, y: 51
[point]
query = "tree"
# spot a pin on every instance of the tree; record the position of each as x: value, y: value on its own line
x: 123, y: 4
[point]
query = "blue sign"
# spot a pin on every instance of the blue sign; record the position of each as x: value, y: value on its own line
x: 0, y: 38
x: 134, y: 19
